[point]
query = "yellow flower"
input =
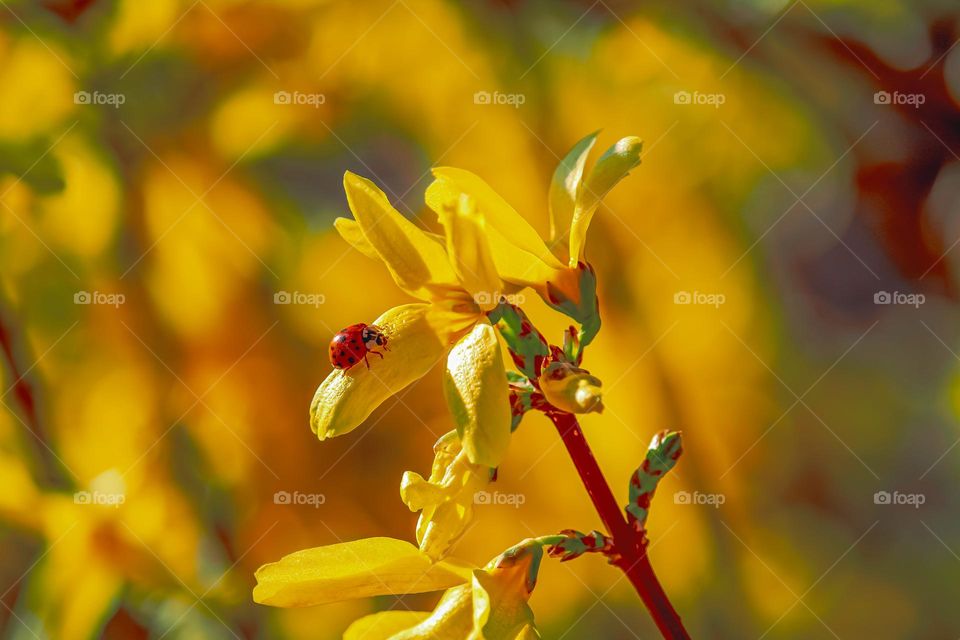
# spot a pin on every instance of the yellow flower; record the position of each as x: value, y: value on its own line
x: 487, y: 604
x: 520, y: 255
x: 455, y: 278
x: 446, y: 499
x: 491, y: 606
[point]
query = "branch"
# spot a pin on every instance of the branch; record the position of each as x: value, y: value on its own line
x: 629, y: 546
x: 48, y: 465
x: 21, y: 388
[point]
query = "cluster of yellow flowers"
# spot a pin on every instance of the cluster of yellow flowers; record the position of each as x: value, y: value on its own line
x: 487, y: 253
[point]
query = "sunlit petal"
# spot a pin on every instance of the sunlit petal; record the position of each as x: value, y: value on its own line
x: 384, y: 625
x: 477, y: 394
x: 611, y: 168
x: 451, y: 182
x: 356, y: 569
x: 469, y: 250
x: 348, y: 396
x: 446, y: 499
x: 350, y: 231
x: 414, y: 259
x: 566, y: 185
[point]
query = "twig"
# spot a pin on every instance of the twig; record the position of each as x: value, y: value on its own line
x: 630, y: 549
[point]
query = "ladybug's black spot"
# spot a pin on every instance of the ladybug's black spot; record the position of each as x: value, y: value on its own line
x: 351, y: 359
x: 342, y: 352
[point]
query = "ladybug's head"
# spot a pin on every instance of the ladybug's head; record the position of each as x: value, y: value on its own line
x: 373, y: 337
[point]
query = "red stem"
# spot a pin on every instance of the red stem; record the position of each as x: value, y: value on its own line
x: 21, y: 389
x: 630, y: 546
x: 49, y: 466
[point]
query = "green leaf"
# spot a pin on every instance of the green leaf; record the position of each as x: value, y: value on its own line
x: 527, y: 346
x: 522, y: 397
x: 32, y: 163
x: 662, y: 456
x: 585, y: 311
x: 574, y: 544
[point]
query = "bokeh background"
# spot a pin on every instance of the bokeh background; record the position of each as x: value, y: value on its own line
x: 152, y: 224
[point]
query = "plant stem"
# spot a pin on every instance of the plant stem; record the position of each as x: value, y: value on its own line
x: 48, y: 467
x: 628, y: 544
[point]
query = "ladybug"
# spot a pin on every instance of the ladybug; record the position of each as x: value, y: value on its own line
x: 355, y: 342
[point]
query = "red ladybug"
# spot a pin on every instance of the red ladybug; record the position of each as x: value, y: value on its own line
x: 355, y: 342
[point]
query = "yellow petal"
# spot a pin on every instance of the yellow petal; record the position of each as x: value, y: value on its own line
x: 417, y: 493
x: 451, y: 182
x: 500, y: 609
x: 566, y: 185
x: 450, y: 620
x: 440, y: 526
x: 413, y: 258
x: 611, y: 167
x: 469, y: 250
x: 446, y: 499
x: 356, y: 569
x: 350, y: 231
x: 383, y: 625
x: 517, y: 266
x: 476, y: 390
x: 348, y: 396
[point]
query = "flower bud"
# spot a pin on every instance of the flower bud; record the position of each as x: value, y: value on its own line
x: 571, y: 389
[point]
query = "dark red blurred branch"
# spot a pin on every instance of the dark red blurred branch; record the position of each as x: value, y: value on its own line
x: 49, y: 468
x: 628, y: 545
x: 21, y: 389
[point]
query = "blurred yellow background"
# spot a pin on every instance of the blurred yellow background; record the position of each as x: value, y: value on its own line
x: 170, y: 280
